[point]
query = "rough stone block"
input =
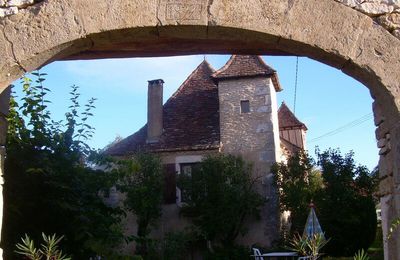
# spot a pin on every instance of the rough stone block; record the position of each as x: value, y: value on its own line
x: 385, y: 150
x: 378, y: 116
x: 386, y: 185
x: 261, y: 90
x: 381, y: 142
x: 5, y: 101
x: 381, y: 131
x: 183, y: 12
x: 264, y: 109
x: 3, y: 130
x: 20, y: 3
x: 267, y: 156
x: 262, y: 128
x: 390, y: 21
x: 350, y: 3
x: 396, y: 33
x: 385, y: 166
x: 395, y: 3
x: 8, y: 11
x: 267, y: 101
x: 374, y: 8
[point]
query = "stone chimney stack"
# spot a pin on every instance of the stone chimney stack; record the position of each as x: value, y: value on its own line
x: 154, y: 110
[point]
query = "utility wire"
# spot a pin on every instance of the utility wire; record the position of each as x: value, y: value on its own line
x: 352, y: 124
x: 295, y: 86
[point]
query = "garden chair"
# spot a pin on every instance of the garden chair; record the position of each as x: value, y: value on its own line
x: 257, y: 254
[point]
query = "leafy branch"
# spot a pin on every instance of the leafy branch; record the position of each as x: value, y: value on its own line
x: 49, y: 249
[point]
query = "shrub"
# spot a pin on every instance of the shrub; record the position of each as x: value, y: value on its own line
x: 221, y: 195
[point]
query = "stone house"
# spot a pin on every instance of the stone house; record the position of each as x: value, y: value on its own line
x: 230, y: 110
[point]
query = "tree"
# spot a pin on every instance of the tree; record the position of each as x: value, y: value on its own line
x: 48, y: 185
x: 142, y: 182
x: 342, y: 193
x: 346, y: 204
x: 221, y: 195
x: 298, y: 182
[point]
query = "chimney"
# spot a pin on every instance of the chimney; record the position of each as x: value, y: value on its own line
x: 154, y: 110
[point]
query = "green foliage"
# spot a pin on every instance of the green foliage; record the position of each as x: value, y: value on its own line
x: 299, y: 244
x: 346, y: 204
x: 343, y: 195
x: 306, y: 246
x: 49, y: 249
x: 178, y: 244
x: 141, y: 179
x: 221, y: 196
x: 297, y: 182
x: 48, y: 184
x: 361, y: 255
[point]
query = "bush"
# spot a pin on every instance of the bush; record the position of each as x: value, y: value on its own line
x: 346, y: 207
x: 342, y: 193
x: 48, y: 184
x: 221, y: 196
x: 177, y: 245
x: 141, y: 179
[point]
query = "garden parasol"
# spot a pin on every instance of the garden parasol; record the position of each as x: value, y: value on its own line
x: 312, y: 225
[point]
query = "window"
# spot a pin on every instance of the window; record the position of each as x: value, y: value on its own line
x: 187, y: 170
x: 244, y: 106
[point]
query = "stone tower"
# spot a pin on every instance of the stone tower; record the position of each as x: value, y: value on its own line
x: 249, y: 127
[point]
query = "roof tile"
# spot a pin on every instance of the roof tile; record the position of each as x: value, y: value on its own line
x: 247, y: 66
x: 190, y: 118
x: 287, y: 119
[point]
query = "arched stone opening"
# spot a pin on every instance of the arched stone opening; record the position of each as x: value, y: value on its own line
x: 322, y: 30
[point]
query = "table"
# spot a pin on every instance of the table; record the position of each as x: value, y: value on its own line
x: 277, y: 255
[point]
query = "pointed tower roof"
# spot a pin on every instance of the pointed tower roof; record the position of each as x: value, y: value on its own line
x: 190, y: 119
x: 287, y: 119
x: 239, y: 66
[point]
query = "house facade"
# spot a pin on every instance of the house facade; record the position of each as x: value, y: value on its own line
x: 231, y: 110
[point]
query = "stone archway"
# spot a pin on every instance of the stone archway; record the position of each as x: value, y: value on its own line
x: 323, y: 30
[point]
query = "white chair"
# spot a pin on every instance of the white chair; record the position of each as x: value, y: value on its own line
x: 257, y: 254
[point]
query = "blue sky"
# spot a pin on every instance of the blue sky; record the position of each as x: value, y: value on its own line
x: 327, y: 99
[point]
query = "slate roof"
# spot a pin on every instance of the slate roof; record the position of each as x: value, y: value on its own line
x: 242, y: 66
x: 287, y: 119
x: 190, y: 119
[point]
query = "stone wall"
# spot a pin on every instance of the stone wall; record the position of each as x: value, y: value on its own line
x: 10, y: 7
x: 254, y: 136
x: 384, y: 12
x: 4, y: 101
x: 389, y: 182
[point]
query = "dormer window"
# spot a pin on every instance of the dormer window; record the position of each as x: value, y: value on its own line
x: 244, y: 106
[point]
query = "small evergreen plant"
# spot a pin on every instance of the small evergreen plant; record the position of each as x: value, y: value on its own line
x: 49, y: 250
